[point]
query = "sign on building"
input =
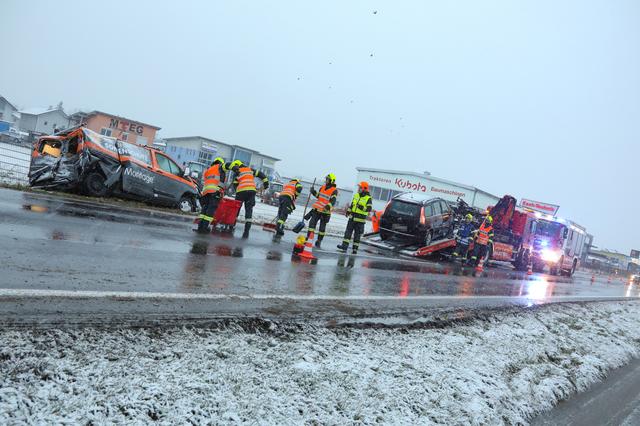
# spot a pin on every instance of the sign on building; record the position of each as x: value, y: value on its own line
x: 539, y: 206
x: 635, y: 254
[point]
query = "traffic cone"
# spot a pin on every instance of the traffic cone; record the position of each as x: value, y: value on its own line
x: 530, y: 269
x: 307, y: 252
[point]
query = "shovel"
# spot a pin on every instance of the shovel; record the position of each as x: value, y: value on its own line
x: 300, y: 225
x: 270, y: 226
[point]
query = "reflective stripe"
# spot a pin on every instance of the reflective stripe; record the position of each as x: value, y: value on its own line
x: 347, y: 241
x: 246, y: 181
x: 205, y: 217
x: 290, y: 190
x: 322, y: 233
x: 280, y: 222
x: 211, y: 180
x: 324, y: 197
x: 483, y: 234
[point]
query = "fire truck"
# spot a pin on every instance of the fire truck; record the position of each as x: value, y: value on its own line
x: 558, y: 245
x: 514, y: 232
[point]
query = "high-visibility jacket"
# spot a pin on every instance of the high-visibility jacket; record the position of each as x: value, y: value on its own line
x: 213, y: 178
x: 246, y: 181
x: 360, y: 207
x: 292, y: 190
x: 485, y: 234
x: 326, y: 197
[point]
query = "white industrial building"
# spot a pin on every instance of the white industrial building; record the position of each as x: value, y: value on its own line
x: 385, y: 184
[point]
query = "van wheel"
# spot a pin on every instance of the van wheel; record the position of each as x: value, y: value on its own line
x: 571, y: 271
x: 94, y: 185
x: 186, y: 204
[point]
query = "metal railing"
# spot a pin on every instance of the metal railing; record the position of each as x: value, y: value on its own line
x: 14, y: 164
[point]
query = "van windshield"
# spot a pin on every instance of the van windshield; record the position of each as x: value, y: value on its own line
x: 404, y: 208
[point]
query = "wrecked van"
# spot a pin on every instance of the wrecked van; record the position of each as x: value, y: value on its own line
x: 79, y: 159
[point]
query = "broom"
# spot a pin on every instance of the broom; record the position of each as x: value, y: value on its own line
x: 300, y: 225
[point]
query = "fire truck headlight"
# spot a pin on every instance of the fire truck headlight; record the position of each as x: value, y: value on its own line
x: 550, y: 255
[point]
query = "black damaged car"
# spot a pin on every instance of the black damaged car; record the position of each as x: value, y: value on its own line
x: 416, y: 218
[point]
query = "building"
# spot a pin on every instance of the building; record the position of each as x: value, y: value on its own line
x: 385, y: 184
x: 204, y: 150
x: 118, y: 127
x: 43, y: 120
x: 7, y: 111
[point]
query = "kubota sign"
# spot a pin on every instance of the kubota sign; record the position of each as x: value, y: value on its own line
x: 539, y: 206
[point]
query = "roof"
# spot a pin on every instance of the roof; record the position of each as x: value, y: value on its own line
x: 426, y: 176
x: 96, y: 112
x: 40, y: 111
x: 415, y: 196
x: 184, y: 138
x: 7, y: 101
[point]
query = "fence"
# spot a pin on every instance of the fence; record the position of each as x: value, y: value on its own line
x: 14, y: 164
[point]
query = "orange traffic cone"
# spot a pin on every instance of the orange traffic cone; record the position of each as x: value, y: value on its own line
x: 479, y: 266
x: 530, y: 269
x: 307, y: 252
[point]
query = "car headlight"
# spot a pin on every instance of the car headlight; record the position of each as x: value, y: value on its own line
x: 550, y: 255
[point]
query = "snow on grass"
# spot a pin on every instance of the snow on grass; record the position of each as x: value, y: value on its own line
x: 499, y: 370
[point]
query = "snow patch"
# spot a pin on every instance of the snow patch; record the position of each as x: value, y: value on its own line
x: 500, y: 370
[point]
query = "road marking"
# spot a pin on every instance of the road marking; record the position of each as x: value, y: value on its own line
x: 83, y: 294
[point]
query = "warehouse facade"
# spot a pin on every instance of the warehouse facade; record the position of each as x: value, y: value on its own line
x: 385, y: 184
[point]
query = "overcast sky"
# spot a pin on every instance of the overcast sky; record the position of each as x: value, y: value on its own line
x: 539, y: 99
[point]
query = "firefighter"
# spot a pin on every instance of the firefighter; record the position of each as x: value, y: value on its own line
x: 358, y: 212
x: 246, y: 189
x: 287, y: 203
x: 212, y: 192
x: 465, y: 233
x: 321, y: 209
x: 483, y: 237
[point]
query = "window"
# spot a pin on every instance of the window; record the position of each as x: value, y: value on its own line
x: 437, y: 210
x: 445, y: 207
x: 106, y: 132
x: 242, y: 155
x: 375, y: 192
x: 384, y: 194
x: 168, y: 165
x: 125, y: 137
x: 46, y: 122
x: 428, y: 210
x: 205, y: 157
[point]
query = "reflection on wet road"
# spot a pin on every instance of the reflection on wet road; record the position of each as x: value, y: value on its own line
x: 49, y: 243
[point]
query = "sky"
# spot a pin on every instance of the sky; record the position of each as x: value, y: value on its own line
x: 538, y: 99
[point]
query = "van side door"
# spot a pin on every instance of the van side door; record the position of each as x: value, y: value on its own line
x: 169, y: 184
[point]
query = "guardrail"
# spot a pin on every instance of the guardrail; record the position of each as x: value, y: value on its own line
x: 14, y: 164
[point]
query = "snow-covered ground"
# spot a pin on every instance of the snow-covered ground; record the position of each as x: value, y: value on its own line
x: 501, y: 369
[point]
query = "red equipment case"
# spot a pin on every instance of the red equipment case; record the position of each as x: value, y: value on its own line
x: 227, y: 212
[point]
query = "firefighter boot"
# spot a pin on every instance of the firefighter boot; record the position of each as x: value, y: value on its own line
x: 203, y: 227
x: 319, y: 241
x: 343, y: 247
x: 247, y: 227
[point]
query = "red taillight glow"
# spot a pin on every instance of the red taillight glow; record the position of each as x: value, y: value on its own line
x: 423, y: 219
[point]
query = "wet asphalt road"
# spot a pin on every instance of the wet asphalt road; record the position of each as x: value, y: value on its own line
x: 51, y: 245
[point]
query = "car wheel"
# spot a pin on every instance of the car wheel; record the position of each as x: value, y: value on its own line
x: 94, y: 185
x: 186, y: 204
x: 428, y: 238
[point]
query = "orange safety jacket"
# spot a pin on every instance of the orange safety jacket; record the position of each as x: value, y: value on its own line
x: 324, y: 198
x: 246, y: 179
x: 291, y: 190
x: 212, y: 179
x: 484, y: 234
